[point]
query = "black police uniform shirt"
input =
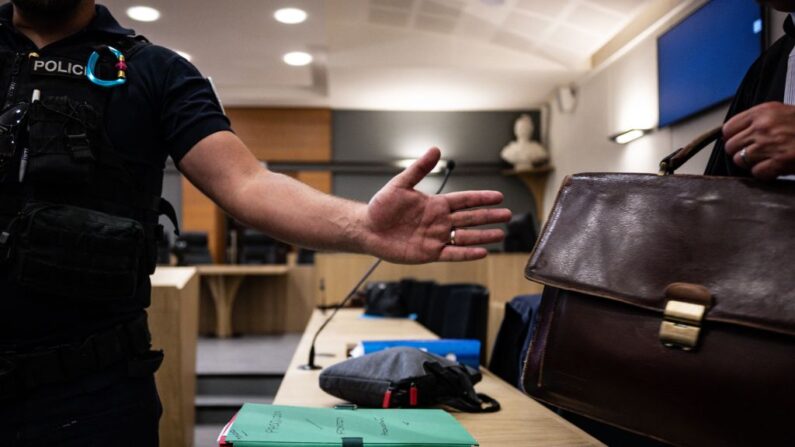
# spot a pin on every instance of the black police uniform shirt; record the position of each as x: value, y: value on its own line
x: 165, y: 108
x: 764, y: 82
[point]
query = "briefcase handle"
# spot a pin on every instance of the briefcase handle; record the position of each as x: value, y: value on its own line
x: 679, y: 157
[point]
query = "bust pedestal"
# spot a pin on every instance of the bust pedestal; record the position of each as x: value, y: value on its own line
x: 536, y: 181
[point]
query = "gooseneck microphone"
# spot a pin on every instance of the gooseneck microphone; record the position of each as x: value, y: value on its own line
x: 310, y: 364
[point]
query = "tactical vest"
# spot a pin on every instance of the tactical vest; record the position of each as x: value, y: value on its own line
x: 77, y: 218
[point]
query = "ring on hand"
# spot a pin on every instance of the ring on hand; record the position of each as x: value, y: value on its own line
x: 744, y: 157
x: 452, y: 237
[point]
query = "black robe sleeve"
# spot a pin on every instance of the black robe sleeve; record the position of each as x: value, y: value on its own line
x: 763, y: 82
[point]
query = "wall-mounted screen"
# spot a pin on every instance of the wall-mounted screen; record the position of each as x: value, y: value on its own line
x: 701, y: 60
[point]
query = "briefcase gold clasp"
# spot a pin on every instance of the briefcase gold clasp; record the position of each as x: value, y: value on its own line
x: 681, y: 324
x: 687, y: 304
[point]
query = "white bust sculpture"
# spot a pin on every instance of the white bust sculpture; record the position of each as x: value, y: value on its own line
x: 524, y: 153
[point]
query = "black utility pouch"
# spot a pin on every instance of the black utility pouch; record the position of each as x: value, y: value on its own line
x: 63, y: 139
x: 152, y: 248
x: 75, y: 252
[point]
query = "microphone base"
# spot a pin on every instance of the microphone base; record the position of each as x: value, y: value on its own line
x: 309, y: 367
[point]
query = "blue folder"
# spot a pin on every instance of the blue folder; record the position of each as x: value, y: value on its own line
x: 463, y: 351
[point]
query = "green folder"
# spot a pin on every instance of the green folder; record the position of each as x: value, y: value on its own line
x: 275, y: 425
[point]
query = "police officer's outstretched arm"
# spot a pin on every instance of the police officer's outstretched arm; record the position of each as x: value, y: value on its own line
x: 399, y: 224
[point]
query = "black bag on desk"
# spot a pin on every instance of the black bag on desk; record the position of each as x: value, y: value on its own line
x: 406, y: 377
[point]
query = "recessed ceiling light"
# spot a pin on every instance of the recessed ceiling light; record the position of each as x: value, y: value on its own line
x: 184, y: 54
x: 290, y: 15
x: 143, y: 13
x: 297, y: 58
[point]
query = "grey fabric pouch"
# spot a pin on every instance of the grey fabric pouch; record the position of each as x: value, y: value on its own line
x: 406, y: 377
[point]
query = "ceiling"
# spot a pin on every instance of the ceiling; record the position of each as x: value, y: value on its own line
x: 389, y: 54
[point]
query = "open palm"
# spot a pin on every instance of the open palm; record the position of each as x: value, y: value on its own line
x: 408, y: 226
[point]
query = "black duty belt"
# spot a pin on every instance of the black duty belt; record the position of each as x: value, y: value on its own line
x: 22, y: 372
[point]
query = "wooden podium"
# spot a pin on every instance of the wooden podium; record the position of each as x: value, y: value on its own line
x: 174, y: 321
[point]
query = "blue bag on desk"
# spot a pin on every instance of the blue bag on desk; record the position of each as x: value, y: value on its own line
x: 406, y: 377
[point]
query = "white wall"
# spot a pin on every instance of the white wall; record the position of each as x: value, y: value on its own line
x: 622, y: 96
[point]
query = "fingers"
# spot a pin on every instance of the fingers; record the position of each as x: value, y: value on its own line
x: 765, y: 170
x: 740, y: 140
x: 412, y: 175
x: 738, y: 123
x: 748, y: 158
x: 478, y: 237
x: 473, y: 218
x: 458, y: 254
x: 472, y: 199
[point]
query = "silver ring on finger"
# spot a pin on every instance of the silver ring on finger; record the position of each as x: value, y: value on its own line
x: 452, y: 237
x: 744, y: 157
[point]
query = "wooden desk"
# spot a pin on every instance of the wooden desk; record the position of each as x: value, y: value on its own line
x: 521, y: 422
x: 223, y: 282
x: 174, y: 322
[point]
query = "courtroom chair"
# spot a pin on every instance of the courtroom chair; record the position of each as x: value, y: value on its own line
x: 259, y: 248
x: 404, y: 298
x: 459, y: 311
x: 305, y: 256
x: 521, y: 233
x: 191, y: 248
x: 418, y: 295
x: 513, y: 338
x: 385, y: 299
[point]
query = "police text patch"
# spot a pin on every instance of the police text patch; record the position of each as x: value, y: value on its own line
x: 54, y: 66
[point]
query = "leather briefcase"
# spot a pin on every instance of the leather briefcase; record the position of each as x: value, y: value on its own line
x: 669, y: 306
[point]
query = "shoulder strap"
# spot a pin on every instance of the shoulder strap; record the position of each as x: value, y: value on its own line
x: 129, y: 45
x: 471, y: 406
x: 464, y: 397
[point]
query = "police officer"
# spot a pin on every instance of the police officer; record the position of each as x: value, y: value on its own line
x: 90, y: 114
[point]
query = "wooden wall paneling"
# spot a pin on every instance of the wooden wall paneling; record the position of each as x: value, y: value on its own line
x: 320, y: 180
x: 505, y: 276
x: 299, y: 134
